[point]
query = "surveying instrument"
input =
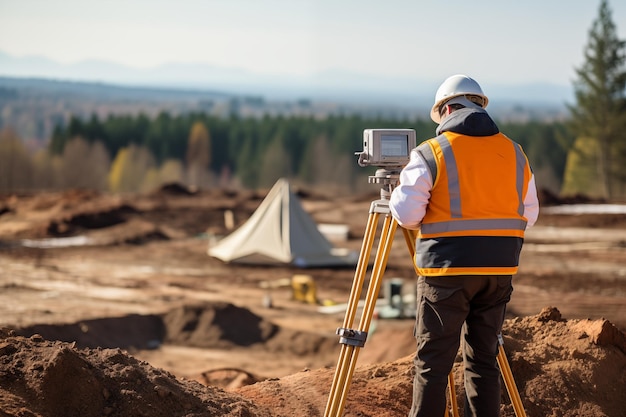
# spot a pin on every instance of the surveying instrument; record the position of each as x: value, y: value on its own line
x: 388, y: 150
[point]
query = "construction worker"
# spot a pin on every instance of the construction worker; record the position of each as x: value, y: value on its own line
x: 471, y: 194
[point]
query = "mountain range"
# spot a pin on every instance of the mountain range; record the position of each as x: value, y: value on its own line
x: 340, y: 86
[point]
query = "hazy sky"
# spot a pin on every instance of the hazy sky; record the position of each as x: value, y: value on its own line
x: 504, y: 41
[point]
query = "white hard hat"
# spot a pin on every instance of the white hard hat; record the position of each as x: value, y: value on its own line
x: 458, y: 86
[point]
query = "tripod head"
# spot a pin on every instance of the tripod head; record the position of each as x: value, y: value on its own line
x: 389, y: 178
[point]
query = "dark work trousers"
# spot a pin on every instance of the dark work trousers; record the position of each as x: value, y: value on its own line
x: 449, y: 309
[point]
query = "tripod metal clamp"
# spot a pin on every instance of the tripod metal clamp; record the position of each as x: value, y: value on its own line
x: 352, y: 337
x: 380, y: 206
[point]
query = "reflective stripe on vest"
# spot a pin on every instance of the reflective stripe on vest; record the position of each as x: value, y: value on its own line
x: 474, y: 224
x: 520, y: 165
x: 427, y: 154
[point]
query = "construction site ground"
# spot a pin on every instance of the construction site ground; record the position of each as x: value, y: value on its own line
x: 110, y: 305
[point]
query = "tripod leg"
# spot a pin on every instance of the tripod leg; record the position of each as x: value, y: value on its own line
x: 507, y: 375
x: 349, y: 350
x: 359, y: 275
x: 452, y: 393
x: 378, y: 269
x: 339, y: 380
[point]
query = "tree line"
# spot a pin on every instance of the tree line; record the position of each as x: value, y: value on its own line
x: 137, y: 153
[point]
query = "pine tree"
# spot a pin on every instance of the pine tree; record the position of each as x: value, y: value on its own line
x: 600, y: 98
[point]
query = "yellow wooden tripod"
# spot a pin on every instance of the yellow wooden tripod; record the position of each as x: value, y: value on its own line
x: 353, y: 339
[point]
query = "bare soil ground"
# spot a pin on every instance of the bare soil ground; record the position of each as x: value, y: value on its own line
x: 136, y: 319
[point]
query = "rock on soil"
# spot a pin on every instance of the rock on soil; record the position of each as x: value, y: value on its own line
x: 562, y: 368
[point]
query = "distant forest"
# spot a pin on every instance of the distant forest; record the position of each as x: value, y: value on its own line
x: 209, y: 151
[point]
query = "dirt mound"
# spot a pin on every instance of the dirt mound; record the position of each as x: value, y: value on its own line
x: 561, y: 367
x: 226, y: 326
x: 216, y: 325
x: 175, y: 188
x: 173, y: 211
x: 568, y: 368
x: 42, y: 378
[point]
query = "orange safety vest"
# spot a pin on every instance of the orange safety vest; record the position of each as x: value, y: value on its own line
x: 474, y: 223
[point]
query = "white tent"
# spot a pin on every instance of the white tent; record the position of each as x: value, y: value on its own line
x: 280, y: 231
